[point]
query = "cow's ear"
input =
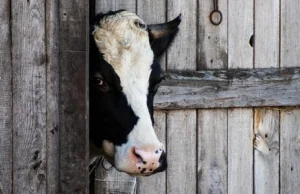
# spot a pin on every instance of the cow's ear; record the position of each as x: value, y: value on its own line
x: 159, y: 46
x: 161, y: 35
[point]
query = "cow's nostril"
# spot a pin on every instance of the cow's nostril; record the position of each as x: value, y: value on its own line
x: 137, y: 156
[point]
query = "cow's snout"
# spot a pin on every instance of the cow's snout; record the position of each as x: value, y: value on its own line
x: 149, y: 161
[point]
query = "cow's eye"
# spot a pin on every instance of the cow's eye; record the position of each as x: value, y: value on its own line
x: 99, y: 82
x: 140, y: 24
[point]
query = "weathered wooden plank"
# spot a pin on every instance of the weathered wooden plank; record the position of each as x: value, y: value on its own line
x: 110, y: 180
x: 183, y: 52
x: 212, y: 52
x: 266, y: 128
x: 266, y: 155
x: 266, y: 49
x: 181, y: 151
x: 212, y: 151
x: 113, y: 5
x: 212, y: 124
x: 290, y: 30
x: 240, y: 151
x: 155, y: 183
x: 29, y: 96
x: 233, y: 88
x: 289, y: 119
x: 240, y: 25
x: 73, y: 164
x: 240, y: 121
x: 5, y: 100
x: 289, y: 151
x: 113, y: 181
x: 153, y: 12
x: 52, y: 128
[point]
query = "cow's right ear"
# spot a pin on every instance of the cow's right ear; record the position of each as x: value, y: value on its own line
x: 162, y: 35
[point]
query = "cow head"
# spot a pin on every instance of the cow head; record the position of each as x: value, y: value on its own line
x: 124, y: 77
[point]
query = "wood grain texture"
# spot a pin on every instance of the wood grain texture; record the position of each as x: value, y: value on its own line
x: 266, y: 47
x: 232, y: 88
x: 212, y: 46
x: 52, y: 128
x: 155, y: 183
x: 153, y: 12
x: 5, y: 100
x: 103, y: 6
x: 290, y: 30
x: 240, y: 151
x: 181, y: 152
x: 212, y: 151
x: 289, y: 151
x: 113, y: 181
x: 266, y: 165
x: 72, y: 97
x: 212, y: 124
x: 289, y: 119
x: 240, y: 26
x: 182, y: 53
x: 29, y: 96
x: 266, y: 55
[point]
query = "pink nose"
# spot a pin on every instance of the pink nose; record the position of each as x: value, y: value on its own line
x: 149, y: 161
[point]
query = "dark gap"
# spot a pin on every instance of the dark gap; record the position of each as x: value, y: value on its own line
x: 12, y: 95
x: 279, y: 152
x: 197, y: 38
x: 253, y: 151
x: 166, y: 140
x: 197, y: 151
x: 279, y: 52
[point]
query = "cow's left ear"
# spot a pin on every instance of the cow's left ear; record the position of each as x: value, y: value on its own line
x: 161, y: 35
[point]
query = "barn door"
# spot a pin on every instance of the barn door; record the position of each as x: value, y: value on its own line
x: 222, y: 88
x: 43, y: 107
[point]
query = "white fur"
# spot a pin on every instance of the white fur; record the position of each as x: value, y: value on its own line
x: 126, y: 47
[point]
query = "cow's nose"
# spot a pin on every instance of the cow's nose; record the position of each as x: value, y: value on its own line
x: 150, y: 161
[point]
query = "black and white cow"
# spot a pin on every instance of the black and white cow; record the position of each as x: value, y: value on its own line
x: 124, y: 77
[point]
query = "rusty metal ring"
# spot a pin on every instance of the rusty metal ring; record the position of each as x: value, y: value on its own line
x: 211, y: 17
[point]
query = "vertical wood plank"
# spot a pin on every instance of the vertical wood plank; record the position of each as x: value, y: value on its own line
x: 266, y: 156
x: 181, y: 151
x: 290, y: 151
x: 113, y: 181
x: 240, y: 151
x: 181, y: 124
x: 266, y: 49
x: 290, y: 30
x: 240, y: 121
x: 153, y: 12
x: 212, y: 52
x: 212, y: 124
x: 155, y: 183
x: 29, y: 96
x: 212, y: 151
x: 182, y: 53
x: 266, y: 55
x: 289, y: 119
x: 52, y: 128
x: 72, y: 102
x: 240, y: 26
x: 5, y: 99
x: 103, y: 6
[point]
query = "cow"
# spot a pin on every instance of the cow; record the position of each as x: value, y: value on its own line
x: 124, y: 77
